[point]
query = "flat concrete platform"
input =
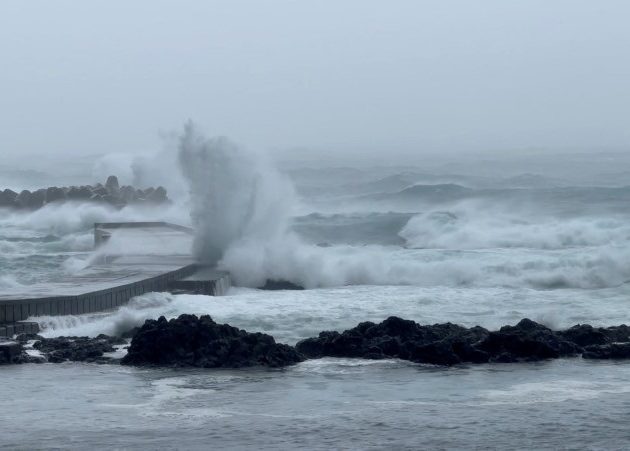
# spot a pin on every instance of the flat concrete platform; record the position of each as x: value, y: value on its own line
x: 140, y: 259
x: 117, y: 271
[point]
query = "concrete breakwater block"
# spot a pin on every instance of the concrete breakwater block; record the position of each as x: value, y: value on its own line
x: 205, y: 280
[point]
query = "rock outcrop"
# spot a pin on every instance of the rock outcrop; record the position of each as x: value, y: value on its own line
x: 191, y: 341
x: 200, y: 342
x: 449, y: 344
x: 77, y: 349
x: 11, y: 352
x: 273, y: 285
x: 111, y: 193
x: 59, y: 349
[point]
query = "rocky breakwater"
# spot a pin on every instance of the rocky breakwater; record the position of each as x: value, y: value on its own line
x: 201, y: 342
x: 110, y: 193
x: 450, y: 344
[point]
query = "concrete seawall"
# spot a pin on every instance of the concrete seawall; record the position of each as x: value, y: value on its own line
x: 95, y: 301
x: 106, y: 286
x: 14, y: 312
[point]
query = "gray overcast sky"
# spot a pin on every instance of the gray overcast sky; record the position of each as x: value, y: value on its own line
x: 109, y: 76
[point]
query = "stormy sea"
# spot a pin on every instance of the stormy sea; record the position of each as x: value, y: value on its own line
x: 482, y: 242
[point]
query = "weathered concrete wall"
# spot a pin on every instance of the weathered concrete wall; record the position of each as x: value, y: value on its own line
x: 12, y: 311
x: 212, y: 287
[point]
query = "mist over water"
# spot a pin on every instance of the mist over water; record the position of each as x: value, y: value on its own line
x: 332, y: 227
x: 448, y: 236
x: 367, y: 243
x: 440, y: 161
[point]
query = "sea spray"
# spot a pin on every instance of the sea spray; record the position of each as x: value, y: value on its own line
x: 477, y: 225
x: 114, y: 323
x: 235, y: 195
x: 241, y: 208
x: 149, y: 169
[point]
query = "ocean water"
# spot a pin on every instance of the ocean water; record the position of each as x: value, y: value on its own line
x: 321, y: 404
x: 487, y: 256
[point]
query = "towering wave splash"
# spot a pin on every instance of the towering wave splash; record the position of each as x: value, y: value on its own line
x: 241, y: 208
x: 236, y: 197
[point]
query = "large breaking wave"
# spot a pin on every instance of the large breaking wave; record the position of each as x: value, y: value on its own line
x: 241, y: 207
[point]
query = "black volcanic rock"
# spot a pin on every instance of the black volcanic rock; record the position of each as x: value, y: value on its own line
x: 129, y: 333
x: 617, y: 333
x: 584, y: 335
x: 200, y: 342
x: 607, y: 351
x: 449, y: 344
x: 443, y: 344
x: 527, y: 340
x: 77, y: 349
x: 10, y: 352
x: 272, y: 285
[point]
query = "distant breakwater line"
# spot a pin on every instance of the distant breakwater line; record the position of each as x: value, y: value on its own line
x: 110, y: 193
x: 189, y: 341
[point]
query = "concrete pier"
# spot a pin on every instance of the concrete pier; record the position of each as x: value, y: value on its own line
x: 205, y: 280
x: 114, y: 279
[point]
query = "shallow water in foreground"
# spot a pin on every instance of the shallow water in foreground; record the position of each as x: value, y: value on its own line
x: 319, y: 404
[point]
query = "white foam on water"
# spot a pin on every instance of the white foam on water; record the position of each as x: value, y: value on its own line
x: 474, y: 225
x: 8, y: 281
x: 293, y: 315
x: 558, y: 390
x: 125, y: 318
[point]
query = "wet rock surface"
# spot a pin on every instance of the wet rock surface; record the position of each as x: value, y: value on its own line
x: 77, y: 349
x: 11, y: 352
x: 607, y: 351
x: 59, y: 349
x: 201, y: 342
x: 111, y: 193
x: 449, y: 344
x: 191, y: 341
x: 274, y: 285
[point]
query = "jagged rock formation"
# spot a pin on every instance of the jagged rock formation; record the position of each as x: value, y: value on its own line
x: 111, y: 193
x: 77, y: 349
x: 449, y: 344
x: 59, y: 349
x: 11, y: 352
x: 200, y: 342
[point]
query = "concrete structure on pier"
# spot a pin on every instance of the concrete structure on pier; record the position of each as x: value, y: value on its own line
x: 118, y: 272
